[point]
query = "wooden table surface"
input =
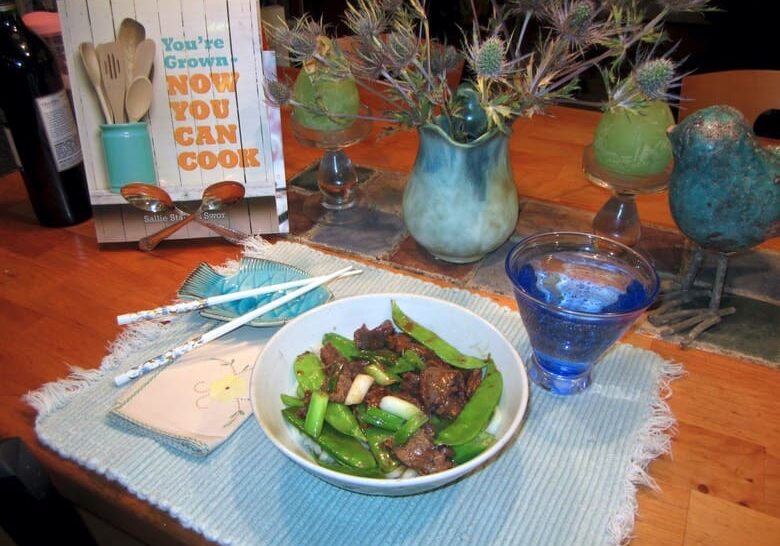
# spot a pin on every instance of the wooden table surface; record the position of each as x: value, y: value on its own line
x: 60, y: 293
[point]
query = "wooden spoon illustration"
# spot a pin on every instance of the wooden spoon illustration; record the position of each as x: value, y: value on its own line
x: 112, y: 71
x: 138, y: 98
x: 131, y: 33
x: 92, y: 67
x: 144, y: 59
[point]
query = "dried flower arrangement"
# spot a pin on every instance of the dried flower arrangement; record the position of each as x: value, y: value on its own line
x: 393, y: 55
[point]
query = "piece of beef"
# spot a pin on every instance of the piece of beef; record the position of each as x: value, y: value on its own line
x: 331, y: 358
x: 410, y: 384
x: 399, y: 343
x: 434, y: 361
x: 373, y: 339
x: 375, y: 395
x: 377, y: 392
x: 343, y: 381
x: 443, y: 391
x: 421, y: 454
x: 473, y: 380
x: 341, y: 388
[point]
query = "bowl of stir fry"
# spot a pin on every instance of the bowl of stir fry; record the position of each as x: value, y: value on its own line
x: 389, y: 394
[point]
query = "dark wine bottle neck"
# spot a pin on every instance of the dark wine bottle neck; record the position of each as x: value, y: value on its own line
x: 9, y: 17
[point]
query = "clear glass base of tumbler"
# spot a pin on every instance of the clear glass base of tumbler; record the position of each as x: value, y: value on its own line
x: 555, y: 383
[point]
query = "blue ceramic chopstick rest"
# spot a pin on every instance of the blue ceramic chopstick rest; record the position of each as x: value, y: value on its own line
x: 205, y: 281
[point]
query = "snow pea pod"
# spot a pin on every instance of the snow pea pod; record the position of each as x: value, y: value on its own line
x: 432, y: 341
x: 469, y: 450
x: 291, y: 401
x: 345, y: 346
x: 341, y: 447
x: 376, y: 443
x: 438, y: 423
x: 342, y: 419
x: 476, y: 414
x: 309, y: 372
x: 411, y: 426
x: 379, y: 418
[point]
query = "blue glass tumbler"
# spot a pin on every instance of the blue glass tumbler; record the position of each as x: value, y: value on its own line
x: 577, y: 294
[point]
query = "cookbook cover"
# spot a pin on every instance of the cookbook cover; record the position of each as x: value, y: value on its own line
x: 202, y: 120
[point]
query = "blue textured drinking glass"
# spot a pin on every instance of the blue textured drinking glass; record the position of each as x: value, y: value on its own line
x: 577, y: 293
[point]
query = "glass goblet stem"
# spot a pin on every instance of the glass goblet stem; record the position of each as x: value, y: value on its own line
x: 619, y: 219
x: 337, y: 180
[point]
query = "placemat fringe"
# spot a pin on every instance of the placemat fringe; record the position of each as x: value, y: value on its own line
x: 255, y: 246
x: 653, y: 440
x: 56, y: 394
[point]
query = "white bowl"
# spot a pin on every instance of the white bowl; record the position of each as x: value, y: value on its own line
x: 273, y: 375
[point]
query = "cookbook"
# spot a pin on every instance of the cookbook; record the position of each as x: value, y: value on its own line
x: 207, y: 120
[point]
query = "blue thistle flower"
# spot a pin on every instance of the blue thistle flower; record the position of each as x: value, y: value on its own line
x: 654, y: 77
x: 488, y: 58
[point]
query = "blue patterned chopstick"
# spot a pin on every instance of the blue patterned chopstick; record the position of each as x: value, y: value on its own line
x: 172, y: 354
x: 202, y: 303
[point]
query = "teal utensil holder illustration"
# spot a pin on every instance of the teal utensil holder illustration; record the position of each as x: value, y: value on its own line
x: 127, y: 149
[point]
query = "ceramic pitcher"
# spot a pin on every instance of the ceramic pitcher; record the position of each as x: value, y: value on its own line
x: 460, y: 202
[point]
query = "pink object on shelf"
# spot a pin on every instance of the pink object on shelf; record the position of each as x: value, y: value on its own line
x: 43, y: 23
x: 46, y: 24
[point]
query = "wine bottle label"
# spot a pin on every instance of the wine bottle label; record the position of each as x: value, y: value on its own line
x: 61, y: 129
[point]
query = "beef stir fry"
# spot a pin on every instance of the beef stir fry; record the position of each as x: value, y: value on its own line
x: 395, y: 400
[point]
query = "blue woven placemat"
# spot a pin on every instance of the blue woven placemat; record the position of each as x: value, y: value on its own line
x: 570, y: 478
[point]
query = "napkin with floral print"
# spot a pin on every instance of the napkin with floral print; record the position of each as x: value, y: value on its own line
x: 198, y: 402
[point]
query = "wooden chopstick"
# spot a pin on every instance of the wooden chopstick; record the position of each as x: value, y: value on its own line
x: 197, y: 341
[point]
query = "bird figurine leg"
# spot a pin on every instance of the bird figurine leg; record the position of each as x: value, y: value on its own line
x: 673, y: 319
x: 672, y: 301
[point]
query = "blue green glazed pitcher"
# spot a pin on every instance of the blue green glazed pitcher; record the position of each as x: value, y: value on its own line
x: 460, y: 202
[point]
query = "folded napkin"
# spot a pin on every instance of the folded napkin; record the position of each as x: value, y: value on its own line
x: 196, y: 403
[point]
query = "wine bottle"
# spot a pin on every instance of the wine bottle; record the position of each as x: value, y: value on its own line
x: 41, y: 123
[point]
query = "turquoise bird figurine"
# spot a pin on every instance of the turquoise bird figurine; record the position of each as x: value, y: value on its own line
x: 724, y: 194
